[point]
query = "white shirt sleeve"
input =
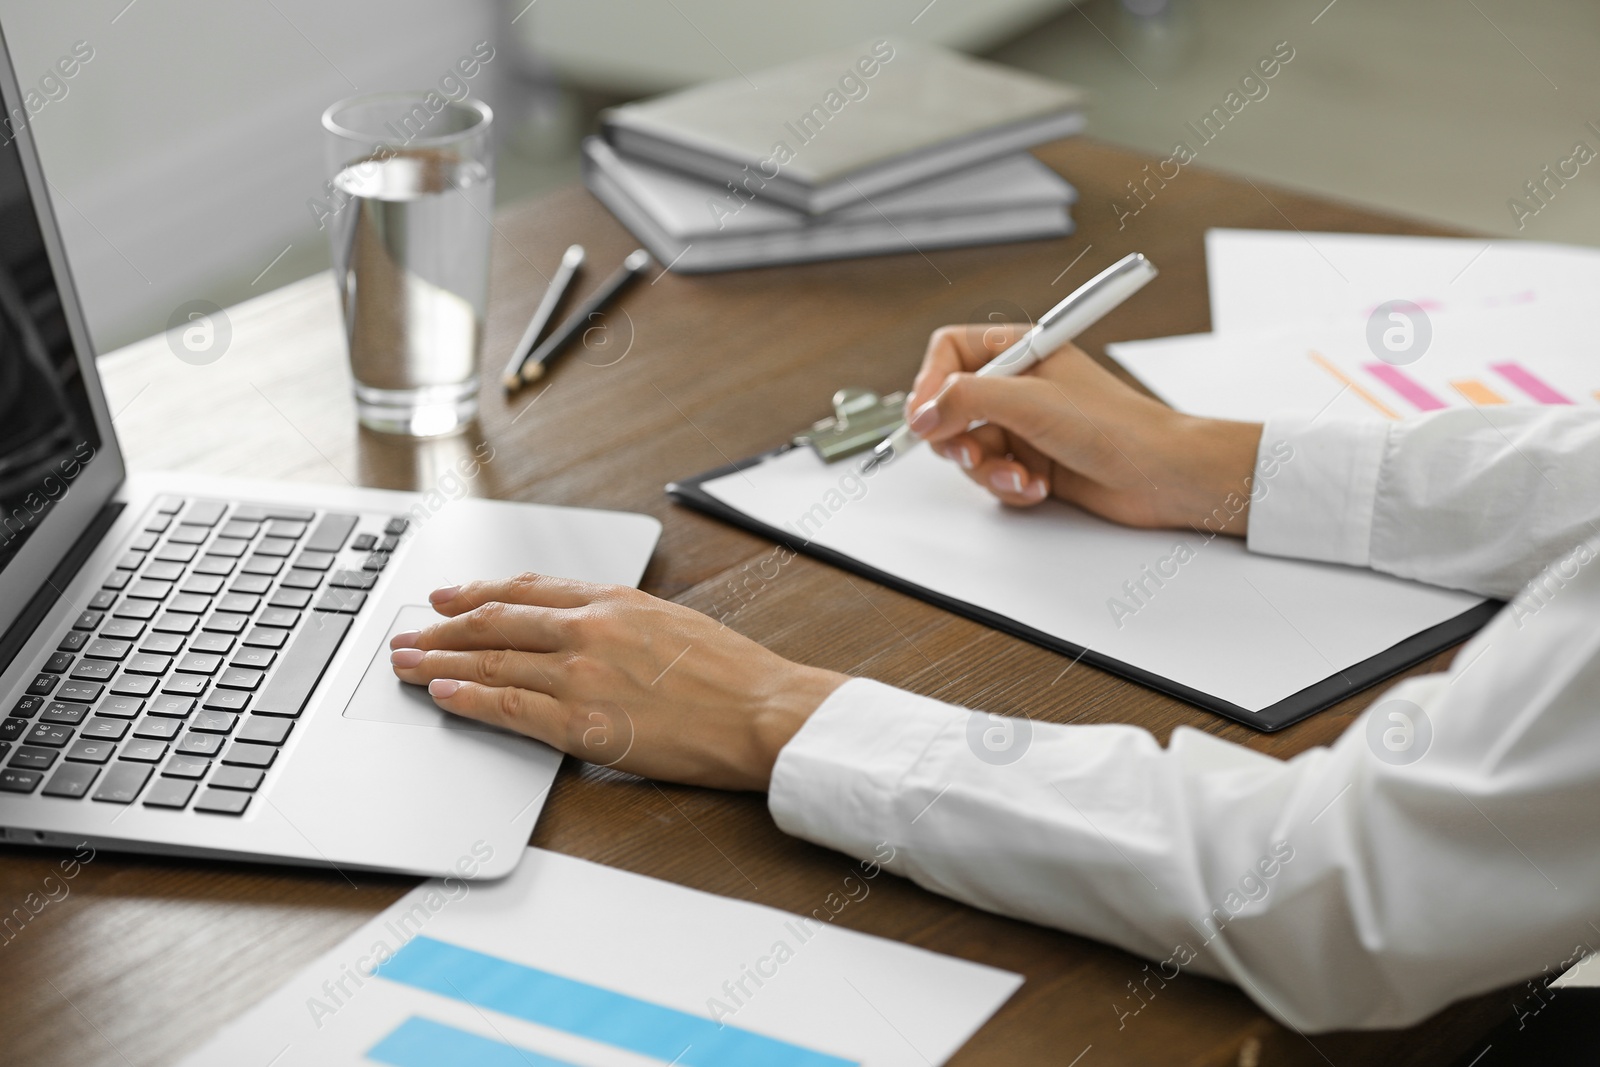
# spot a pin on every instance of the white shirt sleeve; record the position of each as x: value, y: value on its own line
x: 1444, y: 846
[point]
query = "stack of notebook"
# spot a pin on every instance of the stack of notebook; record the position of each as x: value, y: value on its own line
x: 886, y: 147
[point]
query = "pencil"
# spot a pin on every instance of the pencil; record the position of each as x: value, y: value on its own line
x: 571, y: 260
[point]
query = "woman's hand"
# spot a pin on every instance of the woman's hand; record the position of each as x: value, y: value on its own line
x: 1071, y: 428
x: 613, y: 676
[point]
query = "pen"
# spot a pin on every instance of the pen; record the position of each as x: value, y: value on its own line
x: 571, y: 260
x: 1086, y: 305
x: 533, y: 369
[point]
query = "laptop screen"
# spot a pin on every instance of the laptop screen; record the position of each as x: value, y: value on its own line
x: 47, y: 428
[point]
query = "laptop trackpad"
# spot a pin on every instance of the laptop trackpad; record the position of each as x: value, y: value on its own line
x: 381, y: 697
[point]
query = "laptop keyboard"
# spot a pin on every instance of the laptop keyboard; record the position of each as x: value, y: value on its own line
x: 181, y: 680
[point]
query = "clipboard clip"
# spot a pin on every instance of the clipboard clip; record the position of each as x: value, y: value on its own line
x: 859, y: 421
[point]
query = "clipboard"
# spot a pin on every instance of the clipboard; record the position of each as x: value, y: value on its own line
x: 1339, y: 685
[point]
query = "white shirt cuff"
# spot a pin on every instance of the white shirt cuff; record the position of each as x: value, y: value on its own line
x: 1315, y: 488
x: 836, y: 781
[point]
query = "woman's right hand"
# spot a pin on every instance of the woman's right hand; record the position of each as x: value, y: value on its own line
x: 1070, y: 428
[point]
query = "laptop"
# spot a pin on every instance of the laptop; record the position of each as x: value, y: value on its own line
x: 199, y: 667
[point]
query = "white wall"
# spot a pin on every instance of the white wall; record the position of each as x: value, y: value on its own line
x: 183, y: 153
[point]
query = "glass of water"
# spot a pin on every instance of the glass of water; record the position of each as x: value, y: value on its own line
x: 407, y: 210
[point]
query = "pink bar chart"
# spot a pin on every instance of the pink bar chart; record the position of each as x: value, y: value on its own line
x: 1536, y: 388
x: 1408, y: 388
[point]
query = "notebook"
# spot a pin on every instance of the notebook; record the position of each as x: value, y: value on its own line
x: 847, y: 125
x: 1013, y: 198
x: 1261, y: 640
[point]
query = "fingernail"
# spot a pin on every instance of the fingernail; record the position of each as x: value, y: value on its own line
x: 1000, y: 481
x: 1038, y: 488
x: 443, y: 688
x: 964, y: 457
x: 440, y: 596
x: 406, y: 639
x: 926, y: 420
x: 406, y: 657
x: 1016, y: 482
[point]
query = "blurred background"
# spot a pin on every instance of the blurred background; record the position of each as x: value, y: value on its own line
x: 183, y: 154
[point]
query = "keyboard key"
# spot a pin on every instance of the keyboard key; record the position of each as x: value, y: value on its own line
x: 91, y: 751
x: 218, y: 643
x: 251, y: 584
x: 228, y: 547
x: 186, y: 534
x: 94, y: 671
x: 279, y: 617
x: 172, y: 707
x: 286, y: 528
x: 137, y: 609
x: 65, y: 714
x: 364, y: 542
x: 260, y: 729
x: 240, y: 678
x: 20, y: 781
x: 175, y: 624
x: 122, y: 628
x: 169, y: 793
x: 164, y: 571
x: 290, y: 598
x: 241, y: 603
x: 148, y: 663
x: 106, y: 648
x: 396, y: 526
x: 12, y: 729
x: 215, y: 566
x: 116, y: 580
x: 299, y: 579
x: 185, y: 685
x: 102, y: 599
x: 262, y: 564
x: 226, y: 700
x: 46, y: 733
x: 86, y: 692
x: 194, y: 744
x: 135, y: 685
x: 130, y: 562
x: 71, y: 780
x: 168, y: 505
x: 158, y: 729
x: 348, y: 601
x: 259, y: 658
x: 240, y: 529
x: 146, y: 589
x: 245, y: 779
x: 185, y: 767
x: 34, y: 759
x: 226, y: 622
x: 176, y: 553
x: 119, y: 707
x: 331, y: 532
x: 222, y: 802
x: 375, y: 562
x: 122, y: 783
x: 88, y: 620
x: 200, y: 663
x: 158, y: 523
x: 29, y: 706
x: 144, y: 751
x: 104, y: 729
x: 189, y: 604
x: 216, y: 722
x: 389, y: 544
x: 315, y: 561
x: 162, y: 644
x: 143, y: 542
x: 276, y: 547
x: 352, y: 579
x: 45, y: 684
x: 266, y: 637
x: 58, y: 663
x: 203, y: 584
x: 205, y: 512
x: 301, y: 666
x: 73, y: 641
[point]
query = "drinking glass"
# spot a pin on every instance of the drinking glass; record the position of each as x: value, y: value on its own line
x: 410, y: 197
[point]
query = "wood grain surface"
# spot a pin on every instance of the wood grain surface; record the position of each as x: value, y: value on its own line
x: 141, y: 959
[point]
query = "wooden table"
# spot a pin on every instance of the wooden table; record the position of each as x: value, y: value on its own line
x: 143, y: 958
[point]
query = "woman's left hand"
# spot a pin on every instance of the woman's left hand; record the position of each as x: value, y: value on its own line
x: 613, y: 676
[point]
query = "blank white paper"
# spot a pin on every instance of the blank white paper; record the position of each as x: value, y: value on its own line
x: 1246, y: 628
x: 836, y: 992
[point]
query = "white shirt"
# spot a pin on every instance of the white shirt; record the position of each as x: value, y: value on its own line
x: 1342, y: 888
